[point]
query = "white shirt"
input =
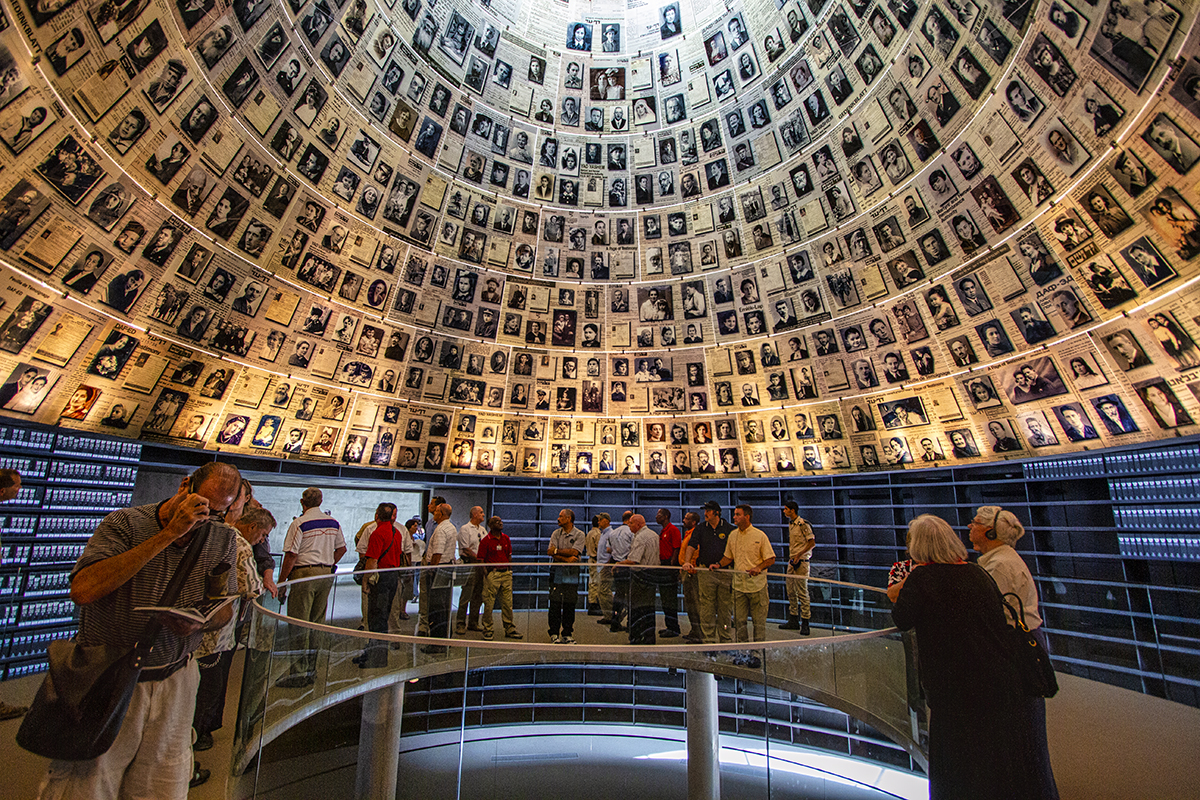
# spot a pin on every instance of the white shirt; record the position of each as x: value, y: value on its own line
x: 620, y: 539
x: 1008, y: 569
x: 442, y: 542
x: 469, y: 537
x: 363, y: 537
x: 314, y: 537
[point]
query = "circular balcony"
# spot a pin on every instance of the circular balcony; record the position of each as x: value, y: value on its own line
x: 853, y: 662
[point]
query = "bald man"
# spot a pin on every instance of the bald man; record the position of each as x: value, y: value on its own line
x: 470, y: 600
x: 643, y: 554
x: 132, y: 556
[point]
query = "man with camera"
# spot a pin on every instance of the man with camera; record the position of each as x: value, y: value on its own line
x: 126, y: 564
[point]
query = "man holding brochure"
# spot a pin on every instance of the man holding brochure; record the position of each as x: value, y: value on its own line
x: 126, y: 565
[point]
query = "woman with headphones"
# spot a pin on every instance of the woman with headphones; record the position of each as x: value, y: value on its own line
x: 994, y: 533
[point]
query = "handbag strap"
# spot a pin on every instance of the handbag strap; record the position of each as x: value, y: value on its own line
x: 1018, y: 618
x: 174, y: 587
x: 391, y: 542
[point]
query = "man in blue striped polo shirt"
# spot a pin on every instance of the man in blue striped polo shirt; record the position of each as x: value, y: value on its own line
x: 313, y: 546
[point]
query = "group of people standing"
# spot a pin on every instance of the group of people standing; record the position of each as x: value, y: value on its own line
x: 987, y: 736
x: 484, y: 553
x: 720, y: 566
x: 632, y: 566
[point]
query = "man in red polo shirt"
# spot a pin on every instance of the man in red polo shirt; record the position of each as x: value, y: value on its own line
x: 495, y: 551
x: 669, y: 542
x: 385, y: 550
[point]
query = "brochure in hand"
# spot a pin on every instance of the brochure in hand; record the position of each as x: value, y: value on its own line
x: 202, y: 613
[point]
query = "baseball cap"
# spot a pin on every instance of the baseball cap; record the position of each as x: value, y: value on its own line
x: 712, y: 505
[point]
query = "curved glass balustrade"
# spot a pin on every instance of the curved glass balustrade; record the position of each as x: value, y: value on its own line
x: 853, y: 661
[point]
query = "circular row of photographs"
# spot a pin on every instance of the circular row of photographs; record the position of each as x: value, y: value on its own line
x: 639, y: 304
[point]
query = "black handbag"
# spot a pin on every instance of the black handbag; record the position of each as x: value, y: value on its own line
x: 359, y: 566
x: 362, y: 561
x: 78, y: 710
x: 1033, y: 662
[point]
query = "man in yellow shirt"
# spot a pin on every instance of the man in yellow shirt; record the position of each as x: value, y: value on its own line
x: 750, y: 553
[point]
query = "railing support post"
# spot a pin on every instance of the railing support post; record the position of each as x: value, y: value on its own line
x: 703, y: 737
x: 379, y: 743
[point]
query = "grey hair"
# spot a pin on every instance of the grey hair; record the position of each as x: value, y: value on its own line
x: 257, y: 519
x: 932, y: 540
x: 1008, y: 528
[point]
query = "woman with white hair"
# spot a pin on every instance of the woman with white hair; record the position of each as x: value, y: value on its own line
x: 980, y: 733
x: 994, y: 533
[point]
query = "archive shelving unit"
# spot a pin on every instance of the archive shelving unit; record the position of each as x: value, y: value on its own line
x: 69, y: 482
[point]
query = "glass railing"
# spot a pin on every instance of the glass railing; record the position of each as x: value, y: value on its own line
x: 852, y: 660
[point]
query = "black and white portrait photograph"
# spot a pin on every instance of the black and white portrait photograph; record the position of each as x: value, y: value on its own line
x: 1131, y: 39
x: 1048, y: 63
x: 1174, y: 145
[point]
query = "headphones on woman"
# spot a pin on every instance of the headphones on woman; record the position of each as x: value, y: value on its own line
x: 991, y: 532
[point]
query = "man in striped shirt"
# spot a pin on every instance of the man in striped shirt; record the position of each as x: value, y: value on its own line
x: 128, y: 563
x: 313, y: 546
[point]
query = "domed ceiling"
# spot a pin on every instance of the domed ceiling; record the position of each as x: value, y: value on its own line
x: 603, y: 239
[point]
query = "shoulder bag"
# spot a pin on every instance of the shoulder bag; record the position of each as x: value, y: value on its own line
x: 1033, y: 662
x: 373, y: 578
x: 78, y: 710
x: 359, y: 566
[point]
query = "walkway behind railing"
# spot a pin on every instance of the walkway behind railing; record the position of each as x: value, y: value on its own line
x: 295, y: 670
